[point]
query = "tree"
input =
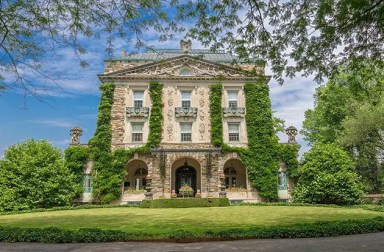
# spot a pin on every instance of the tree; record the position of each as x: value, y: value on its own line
x: 348, y: 111
x: 327, y: 177
x: 293, y: 35
x: 33, y: 175
x: 30, y: 29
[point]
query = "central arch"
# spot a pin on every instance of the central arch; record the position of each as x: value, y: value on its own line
x: 186, y: 175
x: 186, y: 171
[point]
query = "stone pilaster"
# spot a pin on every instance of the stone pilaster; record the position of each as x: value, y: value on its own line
x: 118, y: 115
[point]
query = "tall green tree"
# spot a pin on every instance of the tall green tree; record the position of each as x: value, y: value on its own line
x: 316, y: 36
x: 33, y: 175
x: 348, y: 110
x: 327, y: 176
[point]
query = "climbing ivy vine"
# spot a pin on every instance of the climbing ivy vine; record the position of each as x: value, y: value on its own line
x: 109, y: 168
x: 261, y: 156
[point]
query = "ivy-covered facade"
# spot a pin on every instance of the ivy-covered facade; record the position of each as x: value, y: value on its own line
x: 184, y: 123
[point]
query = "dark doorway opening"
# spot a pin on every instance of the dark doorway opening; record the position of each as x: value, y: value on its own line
x: 185, y: 175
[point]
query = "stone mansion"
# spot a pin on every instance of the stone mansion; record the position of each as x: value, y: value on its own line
x: 186, y: 151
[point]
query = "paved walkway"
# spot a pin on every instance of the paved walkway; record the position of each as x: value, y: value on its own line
x: 365, y: 242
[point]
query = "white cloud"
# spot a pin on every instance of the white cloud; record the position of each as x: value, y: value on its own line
x: 60, y: 122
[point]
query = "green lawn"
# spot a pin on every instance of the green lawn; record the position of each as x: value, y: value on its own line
x: 166, y: 220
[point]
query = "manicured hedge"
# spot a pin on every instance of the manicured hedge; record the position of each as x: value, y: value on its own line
x: 185, y: 202
x: 317, y: 229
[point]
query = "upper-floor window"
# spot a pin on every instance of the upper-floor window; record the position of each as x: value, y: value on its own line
x: 137, y: 132
x: 233, y: 132
x: 138, y: 99
x: 185, y: 72
x: 232, y: 99
x: 186, y: 132
x: 186, y: 99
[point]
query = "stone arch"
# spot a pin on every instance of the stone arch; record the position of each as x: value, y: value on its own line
x: 136, y: 178
x: 185, y: 161
x: 235, y: 173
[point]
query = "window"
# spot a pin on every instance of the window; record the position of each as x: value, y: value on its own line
x: 87, y: 183
x: 185, y: 72
x: 186, y: 132
x: 230, y: 177
x: 186, y: 99
x: 138, y: 99
x: 232, y: 99
x: 233, y: 132
x: 140, y: 178
x: 137, y: 132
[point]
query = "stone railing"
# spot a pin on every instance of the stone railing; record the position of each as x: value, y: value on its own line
x: 233, y: 112
x: 185, y: 112
x: 137, y: 111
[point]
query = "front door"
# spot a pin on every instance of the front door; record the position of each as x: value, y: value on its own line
x: 185, y: 175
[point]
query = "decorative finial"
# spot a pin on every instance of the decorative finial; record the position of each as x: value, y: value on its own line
x: 185, y: 45
x: 75, y: 133
x: 291, y: 133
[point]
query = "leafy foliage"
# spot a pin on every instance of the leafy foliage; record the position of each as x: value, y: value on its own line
x: 33, y: 175
x: 186, y: 202
x: 316, y: 229
x: 289, y: 153
x: 216, y: 112
x: 109, y: 168
x: 75, y: 159
x: 327, y: 177
x: 314, y: 32
x: 261, y: 156
x: 349, y: 111
x: 70, y: 23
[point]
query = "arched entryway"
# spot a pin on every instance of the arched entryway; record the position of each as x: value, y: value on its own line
x: 186, y: 176
x: 136, y: 178
x: 186, y: 171
x: 235, y: 175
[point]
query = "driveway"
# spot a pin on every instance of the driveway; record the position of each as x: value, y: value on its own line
x: 364, y: 242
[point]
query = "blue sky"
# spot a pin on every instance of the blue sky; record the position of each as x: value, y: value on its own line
x: 75, y: 102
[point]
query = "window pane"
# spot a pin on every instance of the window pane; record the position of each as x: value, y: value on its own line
x: 186, y: 104
x: 138, y: 104
x: 137, y: 127
x: 233, y: 128
x: 138, y: 95
x: 186, y: 127
x: 232, y: 104
x: 232, y: 95
x: 185, y: 95
x: 137, y: 137
x: 186, y: 137
x: 185, y: 72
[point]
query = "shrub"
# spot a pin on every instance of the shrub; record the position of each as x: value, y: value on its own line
x: 33, y: 175
x: 185, y: 202
x: 327, y: 177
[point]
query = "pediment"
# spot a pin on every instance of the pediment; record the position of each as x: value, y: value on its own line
x: 182, y: 66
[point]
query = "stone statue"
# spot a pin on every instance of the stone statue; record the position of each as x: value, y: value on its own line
x: 75, y: 133
x: 291, y: 133
x: 123, y: 53
x: 185, y: 45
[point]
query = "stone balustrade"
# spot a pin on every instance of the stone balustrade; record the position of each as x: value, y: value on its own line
x: 233, y: 112
x: 185, y: 112
x: 137, y: 111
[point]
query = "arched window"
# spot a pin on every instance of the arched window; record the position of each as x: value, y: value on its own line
x: 185, y: 72
x: 230, y: 177
x: 140, y: 178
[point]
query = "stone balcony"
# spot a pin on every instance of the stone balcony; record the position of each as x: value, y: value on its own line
x: 185, y: 112
x: 137, y: 111
x: 233, y: 112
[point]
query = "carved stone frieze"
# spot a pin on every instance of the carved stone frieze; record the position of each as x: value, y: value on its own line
x: 185, y: 112
x: 173, y: 67
x: 202, y: 130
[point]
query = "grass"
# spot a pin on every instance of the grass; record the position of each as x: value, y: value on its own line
x: 196, y: 220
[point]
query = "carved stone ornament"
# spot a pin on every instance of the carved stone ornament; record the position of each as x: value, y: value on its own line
x: 75, y: 133
x: 201, y: 102
x: 202, y: 130
x: 185, y: 112
x: 233, y: 112
x: 170, y: 114
x: 185, y: 45
x: 170, y: 100
x: 201, y: 115
x: 170, y: 131
x: 291, y: 133
x: 173, y: 67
